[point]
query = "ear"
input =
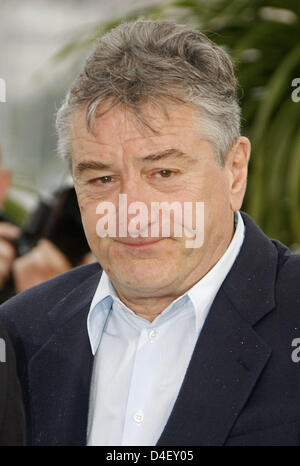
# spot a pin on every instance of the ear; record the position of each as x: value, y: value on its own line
x: 5, y: 180
x: 237, y: 166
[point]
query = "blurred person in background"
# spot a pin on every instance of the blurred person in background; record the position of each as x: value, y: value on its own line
x: 54, y: 239
x: 61, y: 243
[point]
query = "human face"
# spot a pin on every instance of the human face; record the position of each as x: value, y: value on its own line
x: 175, y: 164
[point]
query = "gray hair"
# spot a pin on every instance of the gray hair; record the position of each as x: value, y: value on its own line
x: 156, y: 62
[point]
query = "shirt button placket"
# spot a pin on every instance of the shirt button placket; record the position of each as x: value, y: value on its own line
x: 153, y: 335
x: 138, y: 416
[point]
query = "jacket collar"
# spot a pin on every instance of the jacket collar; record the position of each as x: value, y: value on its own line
x: 250, y: 285
x: 79, y: 298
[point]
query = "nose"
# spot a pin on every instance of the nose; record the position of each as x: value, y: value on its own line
x: 133, y: 210
x: 134, y: 188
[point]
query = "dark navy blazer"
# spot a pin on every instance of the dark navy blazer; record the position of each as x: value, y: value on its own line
x: 242, y: 386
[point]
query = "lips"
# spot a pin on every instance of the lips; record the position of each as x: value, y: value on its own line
x: 138, y: 241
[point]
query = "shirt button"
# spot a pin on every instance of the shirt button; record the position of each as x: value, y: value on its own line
x: 139, y: 416
x: 153, y: 335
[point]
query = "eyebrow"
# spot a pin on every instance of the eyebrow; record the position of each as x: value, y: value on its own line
x: 166, y: 154
x: 90, y: 165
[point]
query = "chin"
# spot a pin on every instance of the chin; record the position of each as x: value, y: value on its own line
x: 143, y: 280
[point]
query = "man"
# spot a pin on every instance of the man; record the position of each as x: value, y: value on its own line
x: 187, y: 333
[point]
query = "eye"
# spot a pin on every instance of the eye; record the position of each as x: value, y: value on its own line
x: 105, y: 179
x: 165, y: 173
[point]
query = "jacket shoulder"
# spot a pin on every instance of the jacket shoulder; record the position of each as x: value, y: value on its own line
x: 31, y: 306
x: 288, y: 263
x: 288, y: 280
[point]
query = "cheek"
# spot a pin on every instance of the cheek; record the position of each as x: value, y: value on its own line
x: 89, y: 219
x: 84, y: 201
x: 87, y: 205
x: 213, y: 191
x: 216, y: 187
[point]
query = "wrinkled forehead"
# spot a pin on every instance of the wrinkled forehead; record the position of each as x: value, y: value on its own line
x: 147, y: 119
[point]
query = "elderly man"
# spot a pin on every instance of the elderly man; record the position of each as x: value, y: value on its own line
x: 187, y: 334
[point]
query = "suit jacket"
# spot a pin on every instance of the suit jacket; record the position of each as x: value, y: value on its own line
x: 12, y: 419
x: 242, y: 386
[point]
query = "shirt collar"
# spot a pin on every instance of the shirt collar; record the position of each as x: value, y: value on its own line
x: 201, y: 294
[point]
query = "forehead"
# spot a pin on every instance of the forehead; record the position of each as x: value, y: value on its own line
x: 120, y: 125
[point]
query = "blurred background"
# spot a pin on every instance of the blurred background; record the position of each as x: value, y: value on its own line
x: 43, y: 43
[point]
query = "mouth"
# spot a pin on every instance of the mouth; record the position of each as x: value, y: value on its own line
x: 139, y: 243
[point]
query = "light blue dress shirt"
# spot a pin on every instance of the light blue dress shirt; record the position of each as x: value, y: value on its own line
x: 139, y: 366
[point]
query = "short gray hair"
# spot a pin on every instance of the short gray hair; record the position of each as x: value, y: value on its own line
x: 156, y: 62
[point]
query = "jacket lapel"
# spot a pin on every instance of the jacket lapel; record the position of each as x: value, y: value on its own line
x: 59, y: 390
x: 228, y: 359
x: 229, y: 356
